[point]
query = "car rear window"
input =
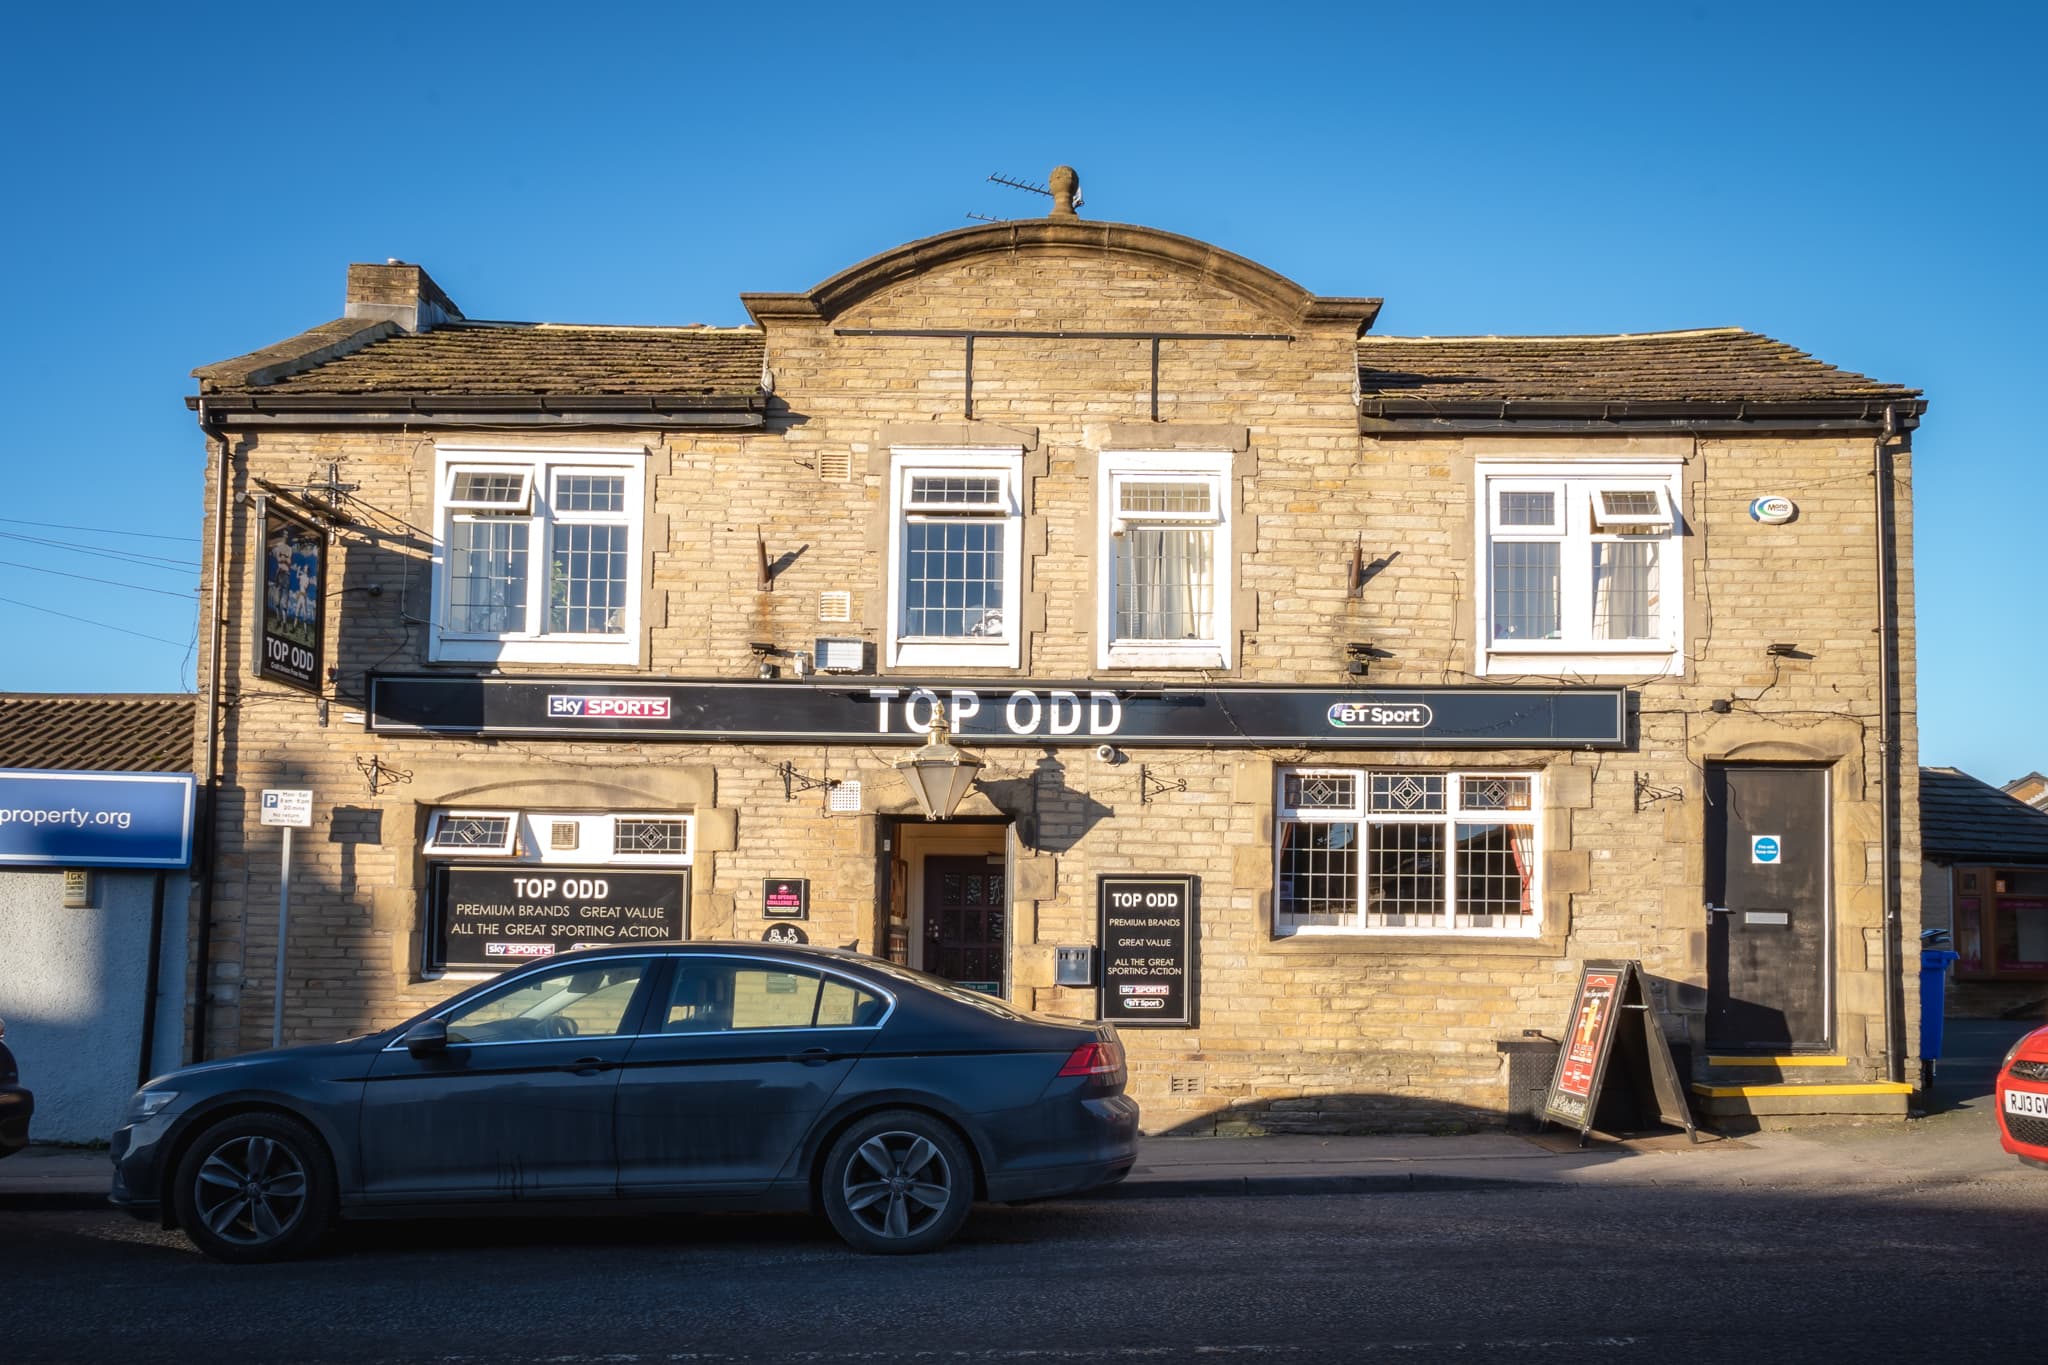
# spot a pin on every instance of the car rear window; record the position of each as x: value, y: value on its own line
x: 988, y: 1004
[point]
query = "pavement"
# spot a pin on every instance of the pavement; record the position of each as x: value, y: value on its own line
x: 1954, y: 1142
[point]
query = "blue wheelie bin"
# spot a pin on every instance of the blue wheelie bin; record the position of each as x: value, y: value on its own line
x: 1934, y: 965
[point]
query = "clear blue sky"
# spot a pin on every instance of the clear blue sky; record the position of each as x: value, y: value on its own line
x: 186, y: 183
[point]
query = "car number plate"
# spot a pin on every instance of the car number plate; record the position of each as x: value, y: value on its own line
x: 2027, y: 1102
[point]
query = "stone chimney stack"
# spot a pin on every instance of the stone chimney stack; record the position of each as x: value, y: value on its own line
x: 400, y: 293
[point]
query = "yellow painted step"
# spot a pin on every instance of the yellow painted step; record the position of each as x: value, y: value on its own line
x: 1724, y: 1092
x: 1779, y: 1062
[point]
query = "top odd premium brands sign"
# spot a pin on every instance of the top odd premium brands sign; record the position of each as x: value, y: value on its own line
x: 498, y: 917
x: 1147, y: 932
x: 981, y: 713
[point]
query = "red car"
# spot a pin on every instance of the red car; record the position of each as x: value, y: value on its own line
x: 2023, y: 1099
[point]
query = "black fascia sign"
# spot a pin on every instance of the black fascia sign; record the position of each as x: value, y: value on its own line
x: 1148, y: 932
x: 1026, y: 713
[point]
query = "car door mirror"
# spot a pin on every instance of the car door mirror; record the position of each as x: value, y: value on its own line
x: 427, y: 1036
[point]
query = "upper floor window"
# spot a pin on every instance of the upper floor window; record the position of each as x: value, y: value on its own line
x: 955, y: 557
x: 1581, y: 568
x: 539, y: 556
x: 1163, y: 597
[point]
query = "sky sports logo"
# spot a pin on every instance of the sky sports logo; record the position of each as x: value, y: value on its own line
x: 519, y: 950
x: 609, y: 708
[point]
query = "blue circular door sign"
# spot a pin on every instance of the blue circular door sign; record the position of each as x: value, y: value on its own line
x: 1763, y: 848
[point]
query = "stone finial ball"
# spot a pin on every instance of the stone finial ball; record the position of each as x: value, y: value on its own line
x: 1066, y: 183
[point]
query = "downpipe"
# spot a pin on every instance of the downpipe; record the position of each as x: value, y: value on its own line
x: 1887, y: 750
x: 209, y: 769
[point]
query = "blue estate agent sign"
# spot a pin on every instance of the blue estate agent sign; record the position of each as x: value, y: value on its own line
x: 95, y: 819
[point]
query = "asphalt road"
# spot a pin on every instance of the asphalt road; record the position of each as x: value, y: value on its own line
x: 1747, y: 1276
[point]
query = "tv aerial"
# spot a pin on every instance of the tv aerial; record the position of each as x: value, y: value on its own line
x: 1028, y: 187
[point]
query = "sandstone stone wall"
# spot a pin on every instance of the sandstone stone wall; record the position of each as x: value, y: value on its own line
x: 1303, y: 1032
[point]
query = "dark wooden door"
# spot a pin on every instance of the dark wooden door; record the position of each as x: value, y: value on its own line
x: 1768, y: 919
x: 966, y: 909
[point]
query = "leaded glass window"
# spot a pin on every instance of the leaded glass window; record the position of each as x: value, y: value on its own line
x: 1426, y: 852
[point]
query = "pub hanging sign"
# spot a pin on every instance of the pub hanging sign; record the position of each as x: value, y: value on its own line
x: 291, y: 622
x: 1148, y: 934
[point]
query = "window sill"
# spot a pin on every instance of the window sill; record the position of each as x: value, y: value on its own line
x: 922, y: 654
x: 1162, y: 656
x: 1344, y: 944
x: 1612, y: 657
x: 615, y: 652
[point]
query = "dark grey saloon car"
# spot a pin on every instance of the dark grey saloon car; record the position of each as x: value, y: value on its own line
x: 685, y: 1076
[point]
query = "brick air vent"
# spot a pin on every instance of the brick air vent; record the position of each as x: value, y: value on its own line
x: 835, y: 466
x: 1184, y: 1085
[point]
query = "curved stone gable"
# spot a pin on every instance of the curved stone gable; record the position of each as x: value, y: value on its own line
x: 1128, y: 260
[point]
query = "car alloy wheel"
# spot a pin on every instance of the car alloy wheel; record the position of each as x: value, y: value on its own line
x: 254, y: 1188
x: 898, y: 1182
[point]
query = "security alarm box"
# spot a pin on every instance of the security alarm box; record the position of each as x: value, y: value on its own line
x: 840, y: 655
x: 1074, y: 965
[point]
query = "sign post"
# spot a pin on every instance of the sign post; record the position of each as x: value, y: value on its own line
x: 289, y: 809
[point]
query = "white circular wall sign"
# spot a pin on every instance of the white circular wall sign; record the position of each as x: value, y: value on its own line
x: 1773, y: 510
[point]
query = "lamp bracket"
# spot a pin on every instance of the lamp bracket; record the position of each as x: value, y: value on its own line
x: 1150, y: 786
x: 794, y: 781
x: 1649, y: 795
x: 379, y: 775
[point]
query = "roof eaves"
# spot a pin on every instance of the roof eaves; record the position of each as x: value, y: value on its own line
x: 1482, y: 414
x: 294, y: 355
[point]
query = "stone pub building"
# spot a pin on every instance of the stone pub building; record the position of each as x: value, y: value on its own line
x: 1096, y: 618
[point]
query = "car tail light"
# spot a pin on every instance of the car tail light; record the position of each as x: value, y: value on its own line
x: 1095, y: 1059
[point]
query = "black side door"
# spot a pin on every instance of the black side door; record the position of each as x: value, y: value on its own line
x: 739, y: 1058
x: 519, y: 1105
x: 1768, y: 920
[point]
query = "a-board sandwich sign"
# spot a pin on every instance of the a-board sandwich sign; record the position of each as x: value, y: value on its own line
x: 1148, y: 931
x: 1613, y: 1022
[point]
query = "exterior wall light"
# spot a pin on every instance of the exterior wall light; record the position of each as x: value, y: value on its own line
x: 939, y: 774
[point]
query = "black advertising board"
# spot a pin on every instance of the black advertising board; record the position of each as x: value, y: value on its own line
x: 1613, y: 1031
x: 290, y: 626
x: 1147, y: 929
x: 786, y: 897
x: 502, y: 916
x: 1034, y: 713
